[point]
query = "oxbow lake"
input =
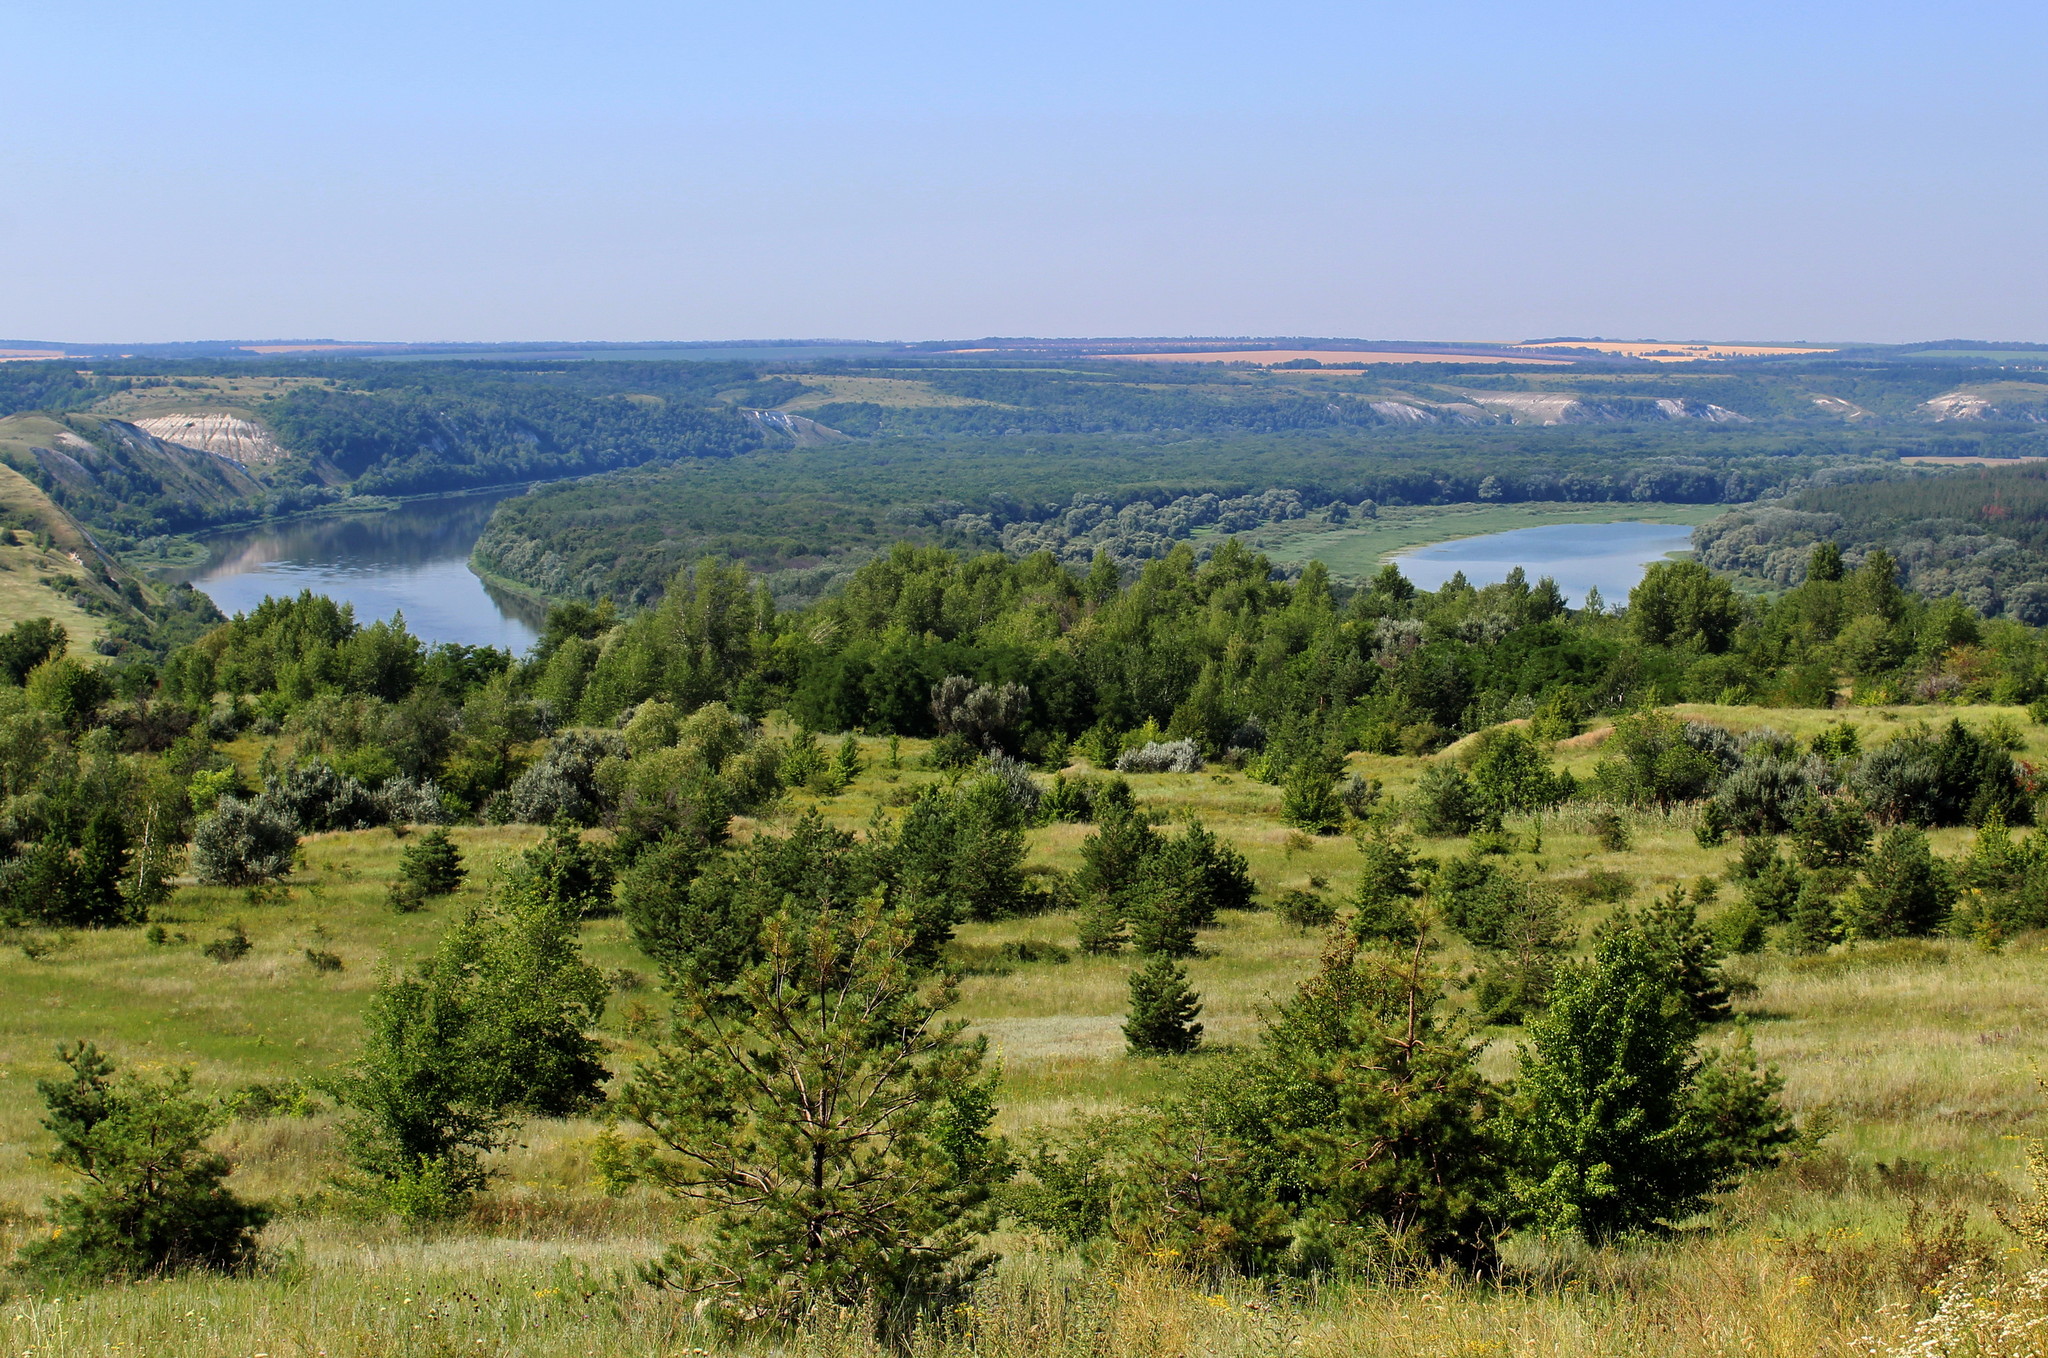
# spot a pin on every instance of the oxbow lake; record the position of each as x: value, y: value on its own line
x: 413, y: 559
x: 1609, y: 557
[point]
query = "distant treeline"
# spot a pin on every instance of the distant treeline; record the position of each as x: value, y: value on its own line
x: 408, y: 440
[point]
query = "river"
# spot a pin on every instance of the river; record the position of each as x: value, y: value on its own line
x: 412, y: 560
x: 1609, y: 557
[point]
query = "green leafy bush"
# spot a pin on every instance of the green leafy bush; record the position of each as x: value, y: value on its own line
x: 243, y: 843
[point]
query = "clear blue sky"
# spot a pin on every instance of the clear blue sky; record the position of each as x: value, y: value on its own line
x: 613, y: 169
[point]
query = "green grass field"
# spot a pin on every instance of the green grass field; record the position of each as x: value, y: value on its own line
x: 1356, y: 550
x: 1922, y: 1053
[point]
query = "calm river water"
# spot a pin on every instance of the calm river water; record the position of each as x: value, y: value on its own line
x: 413, y: 559
x: 1609, y: 557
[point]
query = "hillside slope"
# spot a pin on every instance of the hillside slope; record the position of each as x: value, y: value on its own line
x: 117, y: 476
x: 52, y: 567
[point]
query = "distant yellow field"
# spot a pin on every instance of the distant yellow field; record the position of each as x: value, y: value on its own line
x: 1662, y: 351
x: 1327, y: 357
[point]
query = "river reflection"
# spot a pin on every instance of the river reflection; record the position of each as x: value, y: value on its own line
x: 413, y: 559
x: 1609, y: 557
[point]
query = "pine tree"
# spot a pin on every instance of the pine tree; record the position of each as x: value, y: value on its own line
x: 1308, y: 795
x: 1532, y: 938
x: 1102, y: 928
x: 1736, y: 1101
x: 1213, y: 875
x: 1408, y: 1163
x: 1692, y: 956
x: 1383, y: 905
x: 1114, y: 860
x: 1445, y: 802
x: 154, y: 1199
x: 432, y: 865
x: 1163, y: 1010
x: 1905, y: 891
x: 1161, y: 915
x: 1114, y: 856
x: 1773, y: 888
x: 847, y: 763
x: 1813, y: 926
x: 828, y: 1130
x: 959, y: 853
x: 103, y: 856
x: 1607, y: 1137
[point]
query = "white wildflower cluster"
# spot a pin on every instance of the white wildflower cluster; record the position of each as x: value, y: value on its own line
x: 1999, y: 1318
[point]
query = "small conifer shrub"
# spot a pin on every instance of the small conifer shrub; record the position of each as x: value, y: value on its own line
x: 1163, y: 1010
x: 153, y: 1201
x: 433, y: 865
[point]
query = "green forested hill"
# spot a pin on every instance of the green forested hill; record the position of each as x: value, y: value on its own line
x: 1977, y: 533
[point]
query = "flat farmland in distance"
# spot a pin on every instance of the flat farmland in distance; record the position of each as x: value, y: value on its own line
x: 1347, y: 357
x: 1681, y: 351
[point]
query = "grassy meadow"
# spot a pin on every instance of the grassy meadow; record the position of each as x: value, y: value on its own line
x: 1921, y: 1054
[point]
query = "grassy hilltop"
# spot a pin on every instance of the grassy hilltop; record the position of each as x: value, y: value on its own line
x: 1919, y: 1052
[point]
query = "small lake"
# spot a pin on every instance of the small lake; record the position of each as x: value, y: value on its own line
x: 1609, y: 557
x: 413, y: 560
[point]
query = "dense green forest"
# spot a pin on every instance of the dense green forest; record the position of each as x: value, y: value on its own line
x: 1219, y: 654
x: 1978, y: 534
x: 806, y: 519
